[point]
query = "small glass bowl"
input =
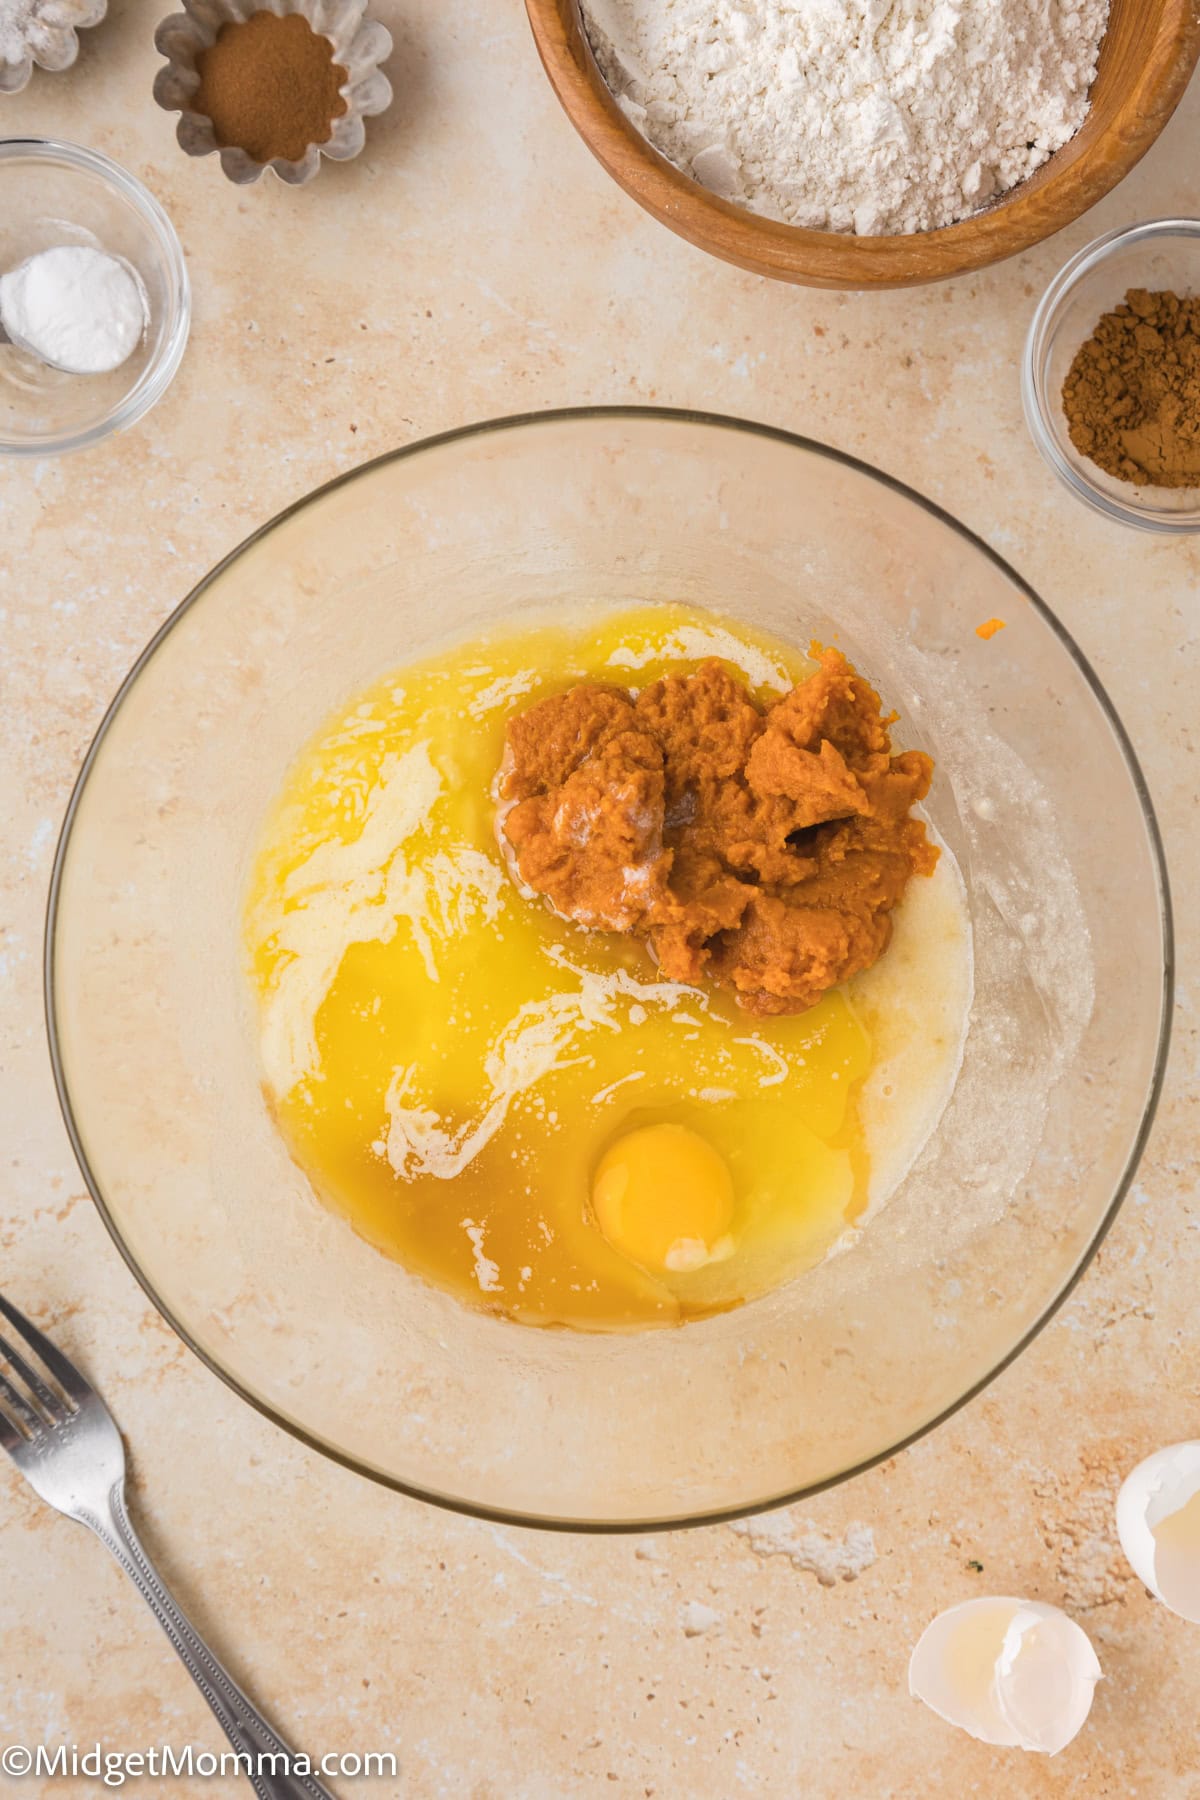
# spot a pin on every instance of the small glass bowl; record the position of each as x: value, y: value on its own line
x: 1163, y: 253
x: 55, y: 193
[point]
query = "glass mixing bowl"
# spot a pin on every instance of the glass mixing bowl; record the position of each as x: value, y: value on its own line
x: 1037, y: 792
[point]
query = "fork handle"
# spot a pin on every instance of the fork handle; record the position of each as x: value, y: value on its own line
x: 241, y: 1722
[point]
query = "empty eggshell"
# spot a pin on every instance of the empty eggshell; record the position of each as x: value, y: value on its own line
x: 1015, y: 1673
x: 1158, y: 1523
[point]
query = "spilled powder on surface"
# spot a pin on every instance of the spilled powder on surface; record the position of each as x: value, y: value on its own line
x: 830, y: 1559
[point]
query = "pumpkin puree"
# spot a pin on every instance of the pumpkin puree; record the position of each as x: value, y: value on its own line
x: 761, y: 849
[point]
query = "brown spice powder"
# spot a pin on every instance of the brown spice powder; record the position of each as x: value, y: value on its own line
x: 1132, y: 395
x: 270, y: 86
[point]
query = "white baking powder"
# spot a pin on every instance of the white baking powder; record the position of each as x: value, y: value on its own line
x: 77, y: 308
x: 871, y: 116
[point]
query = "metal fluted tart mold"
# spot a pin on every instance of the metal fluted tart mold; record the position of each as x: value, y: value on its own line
x: 49, y: 40
x: 360, y: 45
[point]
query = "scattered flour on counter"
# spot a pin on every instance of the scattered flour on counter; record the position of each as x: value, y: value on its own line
x: 696, y: 1619
x: 830, y: 1560
x: 867, y: 116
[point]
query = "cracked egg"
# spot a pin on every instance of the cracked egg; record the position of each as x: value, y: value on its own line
x: 1158, y: 1523
x: 1015, y: 1673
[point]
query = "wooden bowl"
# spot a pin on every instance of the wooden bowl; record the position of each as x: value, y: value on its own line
x: 1146, y: 60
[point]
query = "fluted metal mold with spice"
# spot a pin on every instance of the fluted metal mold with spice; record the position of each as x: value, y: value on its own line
x: 359, y: 45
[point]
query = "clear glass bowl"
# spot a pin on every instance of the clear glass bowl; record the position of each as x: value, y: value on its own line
x: 54, y: 193
x: 1037, y: 792
x: 1164, y: 253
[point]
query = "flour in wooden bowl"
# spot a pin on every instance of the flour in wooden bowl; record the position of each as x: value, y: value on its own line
x: 869, y: 116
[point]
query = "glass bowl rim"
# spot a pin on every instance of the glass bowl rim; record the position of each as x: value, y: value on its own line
x: 158, y: 375
x: 1036, y: 402
x: 521, y: 422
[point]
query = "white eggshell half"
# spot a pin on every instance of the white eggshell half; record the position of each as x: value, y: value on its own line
x: 1015, y: 1673
x: 1046, y: 1677
x: 1167, y: 1559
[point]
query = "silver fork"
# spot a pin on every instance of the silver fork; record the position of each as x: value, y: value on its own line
x: 63, y: 1439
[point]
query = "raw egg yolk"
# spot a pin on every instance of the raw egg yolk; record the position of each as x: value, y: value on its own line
x: 663, y: 1197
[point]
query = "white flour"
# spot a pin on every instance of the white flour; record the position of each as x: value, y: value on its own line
x: 868, y: 116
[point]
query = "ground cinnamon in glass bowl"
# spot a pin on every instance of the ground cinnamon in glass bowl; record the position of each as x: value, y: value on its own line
x: 270, y: 86
x: 1111, y: 375
x: 275, y: 86
x: 1132, y: 395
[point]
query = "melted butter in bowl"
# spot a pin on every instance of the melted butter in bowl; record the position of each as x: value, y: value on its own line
x: 494, y: 1096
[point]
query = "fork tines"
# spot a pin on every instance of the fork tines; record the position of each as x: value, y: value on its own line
x: 29, y: 1403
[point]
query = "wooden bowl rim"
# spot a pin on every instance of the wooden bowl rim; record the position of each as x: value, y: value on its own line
x: 1033, y: 211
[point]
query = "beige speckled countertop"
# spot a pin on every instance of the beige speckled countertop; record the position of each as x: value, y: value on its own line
x: 476, y: 261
